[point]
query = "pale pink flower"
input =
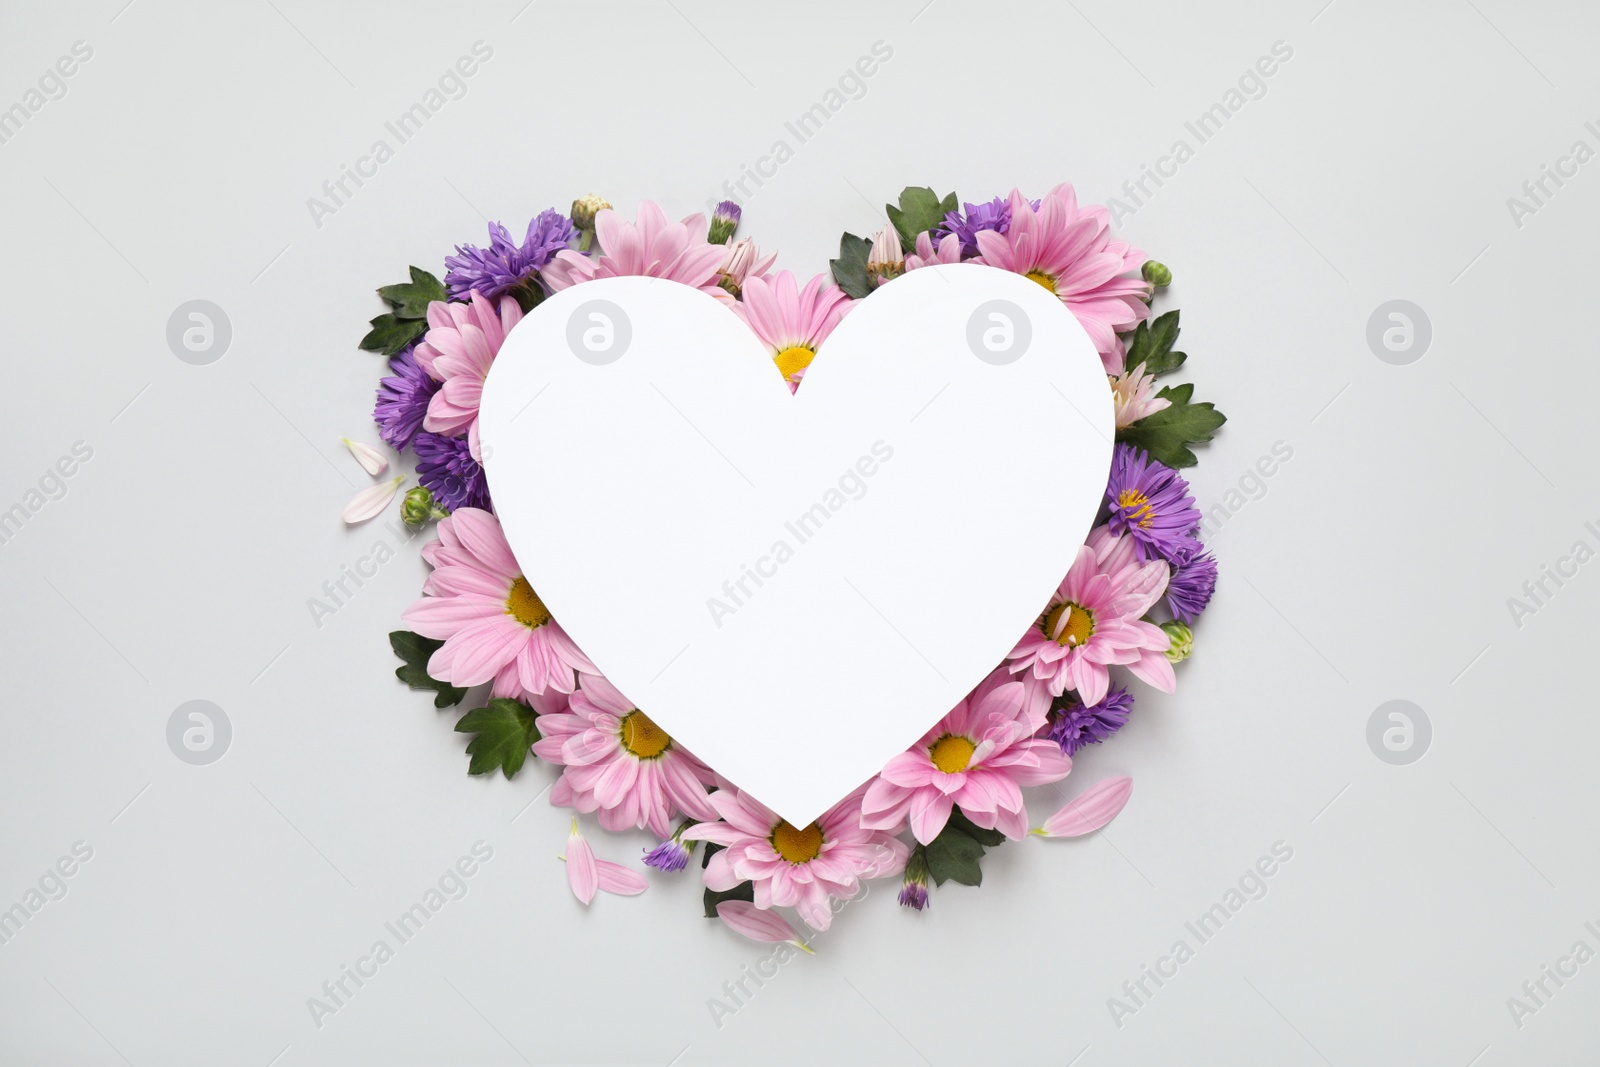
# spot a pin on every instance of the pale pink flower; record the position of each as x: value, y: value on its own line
x: 461, y: 343
x: 1131, y: 392
x: 1089, y: 810
x: 1095, y: 620
x: 493, y: 624
x: 619, y: 763
x: 792, y: 322
x: 651, y: 248
x: 1068, y: 249
x: 977, y: 757
x: 793, y: 867
x: 948, y: 250
x: 743, y: 262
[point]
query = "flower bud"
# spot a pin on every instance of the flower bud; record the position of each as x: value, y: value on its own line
x: 417, y: 507
x: 1156, y: 274
x: 886, y: 260
x: 724, y: 222
x: 914, y: 890
x: 585, y: 208
x: 1182, y: 641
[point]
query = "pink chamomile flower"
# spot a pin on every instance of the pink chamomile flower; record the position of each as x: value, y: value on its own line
x: 1095, y: 621
x: 792, y: 322
x: 493, y: 625
x: 462, y: 341
x: 1069, y: 251
x: 804, y: 868
x: 653, y: 247
x: 977, y: 757
x: 928, y: 254
x: 619, y: 763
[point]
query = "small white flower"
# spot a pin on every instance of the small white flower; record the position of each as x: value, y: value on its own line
x: 371, y: 500
x: 372, y: 461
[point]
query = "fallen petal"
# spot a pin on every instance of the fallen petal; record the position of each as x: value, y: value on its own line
x: 623, y: 881
x: 371, y: 500
x: 759, y: 925
x: 582, y: 872
x: 1089, y: 811
x: 372, y: 461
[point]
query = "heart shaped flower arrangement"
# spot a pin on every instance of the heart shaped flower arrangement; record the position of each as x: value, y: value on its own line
x: 1118, y: 603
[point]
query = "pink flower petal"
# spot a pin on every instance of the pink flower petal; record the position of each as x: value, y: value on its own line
x: 758, y: 924
x: 372, y: 461
x: 615, y: 878
x: 583, y: 873
x: 371, y: 501
x: 1090, y: 810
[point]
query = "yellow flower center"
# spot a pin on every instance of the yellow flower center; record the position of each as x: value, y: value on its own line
x: 1042, y: 278
x: 951, y: 753
x: 792, y: 361
x: 642, y: 737
x: 1132, y: 498
x: 524, y: 604
x: 1068, y: 624
x: 797, y: 846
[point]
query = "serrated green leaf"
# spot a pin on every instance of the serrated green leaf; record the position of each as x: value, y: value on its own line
x: 713, y: 897
x: 411, y: 299
x: 505, y: 730
x: 415, y: 650
x: 953, y: 857
x: 959, y: 820
x: 1152, y: 345
x: 1168, y: 433
x: 920, y: 210
x: 850, y: 269
x: 390, y: 335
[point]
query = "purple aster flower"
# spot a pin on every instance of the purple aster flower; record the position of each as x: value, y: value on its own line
x: 724, y: 222
x: 505, y: 266
x: 670, y: 855
x: 1194, y: 579
x: 403, y: 400
x: 1074, y: 725
x: 448, y: 470
x: 995, y: 215
x: 1150, y: 501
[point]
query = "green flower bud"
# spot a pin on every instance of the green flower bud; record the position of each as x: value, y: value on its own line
x: 1156, y: 274
x: 417, y: 507
x: 1182, y: 641
x: 585, y: 208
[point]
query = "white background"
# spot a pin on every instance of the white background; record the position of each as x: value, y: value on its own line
x: 1376, y: 563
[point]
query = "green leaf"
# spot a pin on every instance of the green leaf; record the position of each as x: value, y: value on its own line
x: 1152, y: 345
x: 415, y: 650
x: 390, y: 335
x: 920, y: 210
x: 742, y: 891
x: 953, y: 856
x: 1168, y: 433
x: 411, y: 299
x: 850, y: 269
x: 505, y: 732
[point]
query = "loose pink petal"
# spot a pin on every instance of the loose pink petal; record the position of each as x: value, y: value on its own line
x: 583, y: 873
x: 623, y: 881
x: 371, y: 500
x: 372, y: 461
x: 1089, y: 811
x: 759, y: 924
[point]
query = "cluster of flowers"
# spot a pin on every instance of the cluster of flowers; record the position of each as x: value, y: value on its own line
x: 481, y: 622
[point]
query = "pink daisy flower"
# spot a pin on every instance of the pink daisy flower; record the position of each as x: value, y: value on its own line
x: 1095, y: 619
x: 791, y: 867
x: 978, y: 757
x: 619, y: 763
x: 651, y: 248
x: 792, y: 322
x: 493, y: 625
x: 461, y: 343
x: 1131, y: 392
x: 1069, y: 251
x: 948, y: 250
